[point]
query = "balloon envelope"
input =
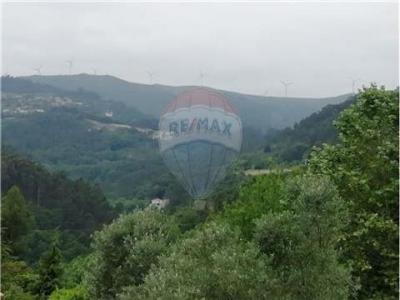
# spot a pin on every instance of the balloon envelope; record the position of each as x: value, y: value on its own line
x: 200, y: 135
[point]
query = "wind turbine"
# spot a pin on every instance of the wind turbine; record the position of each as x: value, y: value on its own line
x: 202, y: 75
x: 286, y: 84
x: 353, y: 84
x: 151, y: 76
x: 38, y: 70
x: 266, y: 93
x: 69, y: 63
x: 94, y: 71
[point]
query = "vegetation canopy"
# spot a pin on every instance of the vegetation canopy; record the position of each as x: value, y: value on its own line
x: 308, y: 211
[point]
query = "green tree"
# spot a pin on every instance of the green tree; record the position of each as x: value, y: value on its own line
x: 18, y: 279
x: 16, y: 218
x: 260, y: 195
x: 75, y: 293
x: 125, y: 250
x: 301, y: 240
x: 214, y: 263
x: 16, y: 276
x: 189, y: 217
x: 364, y: 167
x: 50, y: 270
x: 73, y: 272
x: 15, y: 292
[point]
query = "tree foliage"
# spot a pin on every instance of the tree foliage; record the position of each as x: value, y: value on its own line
x: 364, y: 167
x: 295, y: 144
x: 72, y: 209
x: 18, y: 280
x: 212, y: 264
x: 257, y: 197
x: 16, y: 217
x: 50, y: 270
x: 327, y: 231
x: 75, y: 293
x: 292, y: 254
x: 301, y: 240
x: 124, y: 251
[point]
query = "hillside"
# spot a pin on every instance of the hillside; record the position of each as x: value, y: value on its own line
x: 256, y: 111
x: 22, y: 96
x: 111, y: 143
x: 69, y: 131
x: 295, y: 143
x: 60, y: 206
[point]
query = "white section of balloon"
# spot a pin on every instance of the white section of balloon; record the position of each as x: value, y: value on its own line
x: 199, y: 139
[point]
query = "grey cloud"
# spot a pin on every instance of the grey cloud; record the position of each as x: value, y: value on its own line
x: 242, y: 47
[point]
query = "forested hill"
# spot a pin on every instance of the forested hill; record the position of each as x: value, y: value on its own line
x: 327, y: 230
x: 104, y: 141
x: 295, y: 143
x: 256, y: 111
x: 85, y: 136
x: 58, y: 207
x: 22, y: 96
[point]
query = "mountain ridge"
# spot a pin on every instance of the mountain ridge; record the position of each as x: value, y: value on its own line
x: 256, y: 111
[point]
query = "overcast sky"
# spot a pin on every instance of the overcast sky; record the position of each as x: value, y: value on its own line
x: 250, y: 48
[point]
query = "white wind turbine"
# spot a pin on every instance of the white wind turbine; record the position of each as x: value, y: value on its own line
x: 70, y: 63
x: 202, y: 76
x: 353, y: 84
x: 286, y: 84
x: 38, y: 70
x: 151, y: 75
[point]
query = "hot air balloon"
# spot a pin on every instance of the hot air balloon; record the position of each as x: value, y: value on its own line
x: 200, y: 136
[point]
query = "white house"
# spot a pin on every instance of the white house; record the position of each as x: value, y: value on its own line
x: 159, y: 203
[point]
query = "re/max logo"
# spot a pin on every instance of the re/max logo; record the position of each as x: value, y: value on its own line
x: 200, y: 125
